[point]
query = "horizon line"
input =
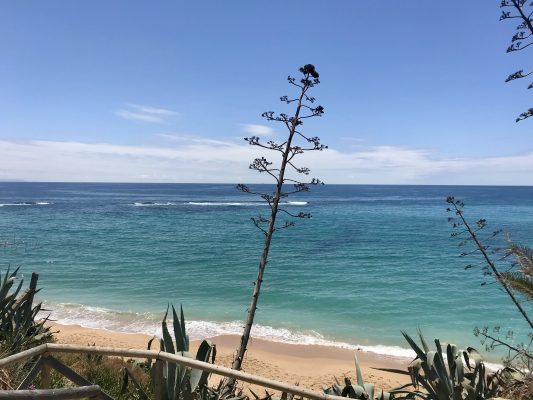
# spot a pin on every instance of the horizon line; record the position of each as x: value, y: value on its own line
x: 271, y: 184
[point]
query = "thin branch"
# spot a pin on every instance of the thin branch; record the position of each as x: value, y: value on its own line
x: 457, y: 204
x: 515, y: 349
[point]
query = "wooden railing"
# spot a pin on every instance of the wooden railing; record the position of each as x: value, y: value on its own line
x: 45, y: 351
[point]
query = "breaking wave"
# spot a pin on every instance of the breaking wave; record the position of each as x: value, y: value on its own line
x: 214, y: 203
x: 149, y: 323
x: 25, y: 203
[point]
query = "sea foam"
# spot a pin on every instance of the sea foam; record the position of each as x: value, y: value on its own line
x: 149, y: 323
x: 25, y: 203
x: 215, y: 203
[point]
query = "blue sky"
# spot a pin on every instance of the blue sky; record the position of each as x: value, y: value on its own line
x: 164, y: 91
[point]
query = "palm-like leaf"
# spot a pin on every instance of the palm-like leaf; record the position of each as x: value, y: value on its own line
x: 520, y: 283
x: 521, y: 280
x: 524, y: 258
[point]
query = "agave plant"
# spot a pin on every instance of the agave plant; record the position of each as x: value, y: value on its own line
x: 454, y: 375
x: 19, y: 328
x: 362, y: 390
x: 180, y: 381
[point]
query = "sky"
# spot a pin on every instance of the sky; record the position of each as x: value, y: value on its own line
x: 165, y: 91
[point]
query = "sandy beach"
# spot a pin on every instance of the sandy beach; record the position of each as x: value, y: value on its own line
x: 311, y: 366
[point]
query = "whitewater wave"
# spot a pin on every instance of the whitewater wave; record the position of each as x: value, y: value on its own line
x: 25, y: 203
x: 152, y: 204
x: 149, y: 323
x: 214, y: 203
x: 385, y: 198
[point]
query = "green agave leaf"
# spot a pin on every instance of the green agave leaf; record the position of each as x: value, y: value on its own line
x: 446, y: 387
x: 186, y: 341
x: 168, y: 346
x: 359, y: 390
x: 455, y: 350
x: 179, y: 333
x: 459, y: 369
x: 451, y: 360
x: 198, y: 377
x: 430, y: 358
x: 4, y: 290
x: 422, y: 395
x: 402, y: 387
x: 467, y: 360
x: 427, y: 386
x: 360, y: 381
x: 474, y: 376
x: 329, y: 390
x: 9, y: 274
x: 369, y: 389
x: 474, y: 355
x: 442, y: 366
x: 393, y: 370
x: 253, y: 394
x: 422, y: 340
x: 481, y: 381
x: 421, y: 354
x: 384, y: 395
x: 348, y: 391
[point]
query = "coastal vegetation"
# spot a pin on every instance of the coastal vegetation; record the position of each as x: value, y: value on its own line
x: 516, y: 280
x: 439, y: 370
x: 522, y: 10
x: 286, y: 173
x: 179, y: 381
x: 446, y: 373
x: 20, y: 329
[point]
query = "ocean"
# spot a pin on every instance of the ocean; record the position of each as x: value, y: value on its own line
x: 372, y: 261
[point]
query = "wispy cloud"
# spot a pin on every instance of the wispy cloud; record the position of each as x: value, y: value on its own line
x: 207, y: 160
x: 257, y: 130
x: 172, y: 137
x: 137, y: 112
x: 189, y: 139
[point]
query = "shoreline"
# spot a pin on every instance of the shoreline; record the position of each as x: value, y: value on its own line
x: 312, y: 366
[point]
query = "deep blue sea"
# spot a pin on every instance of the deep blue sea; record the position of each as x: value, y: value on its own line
x: 373, y: 260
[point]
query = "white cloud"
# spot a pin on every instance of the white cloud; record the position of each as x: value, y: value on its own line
x: 257, y: 130
x: 206, y: 160
x: 171, y: 137
x: 142, y: 113
x: 184, y: 139
x: 152, y: 110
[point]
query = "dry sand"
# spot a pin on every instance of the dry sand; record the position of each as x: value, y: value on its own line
x: 311, y: 366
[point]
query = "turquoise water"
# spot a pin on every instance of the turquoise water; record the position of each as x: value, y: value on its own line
x: 373, y: 259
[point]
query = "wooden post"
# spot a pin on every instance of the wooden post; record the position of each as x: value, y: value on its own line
x: 33, y: 286
x: 33, y: 281
x: 45, y: 374
x: 158, y: 380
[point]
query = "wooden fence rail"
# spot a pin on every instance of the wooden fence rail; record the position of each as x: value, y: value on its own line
x: 51, y: 348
